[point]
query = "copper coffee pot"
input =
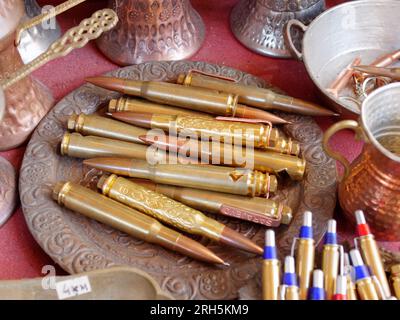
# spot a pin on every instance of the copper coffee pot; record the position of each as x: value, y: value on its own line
x: 372, y: 182
x: 153, y: 30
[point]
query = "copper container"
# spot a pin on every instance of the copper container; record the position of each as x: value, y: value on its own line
x: 259, y: 24
x: 153, y: 30
x: 372, y: 182
x: 27, y: 101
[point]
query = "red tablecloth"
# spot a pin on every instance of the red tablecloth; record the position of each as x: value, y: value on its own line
x: 20, y: 256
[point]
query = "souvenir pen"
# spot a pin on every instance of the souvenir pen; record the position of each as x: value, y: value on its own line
x: 172, y: 212
x: 305, y: 255
x: 254, y: 96
x: 271, y: 268
x: 330, y: 259
x: 365, y: 285
x: 208, y: 177
x: 93, y: 125
x: 289, y: 289
x: 259, y: 210
x: 211, y: 152
x: 395, y: 270
x: 340, y: 288
x: 349, y: 272
x: 95, y: 206
x: 262, y: 136
x: 198, y: 99
x: 317, y: 291
x: 370, y: 252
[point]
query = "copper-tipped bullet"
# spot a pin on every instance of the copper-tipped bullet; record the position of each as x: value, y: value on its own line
x: 254, y: 113
x: 393, y: 73
x: 142, y: 120
x: 237, y: 240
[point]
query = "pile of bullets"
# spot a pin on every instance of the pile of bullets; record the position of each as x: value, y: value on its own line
x: 363, y: 79
x: 144, y: 186
x: 338, y: 279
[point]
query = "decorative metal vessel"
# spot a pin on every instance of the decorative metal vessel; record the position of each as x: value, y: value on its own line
x: 153, y: 30
x: 372, y: 182
x: 259, y: 24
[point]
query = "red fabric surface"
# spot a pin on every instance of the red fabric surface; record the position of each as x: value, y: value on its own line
x: 20, y: 255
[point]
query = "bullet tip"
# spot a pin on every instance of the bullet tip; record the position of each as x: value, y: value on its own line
x: 236, y: 239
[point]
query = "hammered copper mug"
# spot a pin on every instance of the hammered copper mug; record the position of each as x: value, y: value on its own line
x: 372, y: 182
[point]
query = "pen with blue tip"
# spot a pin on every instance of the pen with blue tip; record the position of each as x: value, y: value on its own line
x: 271, y: 268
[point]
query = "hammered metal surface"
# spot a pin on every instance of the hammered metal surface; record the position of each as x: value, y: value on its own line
x: 78, y: 244
x: 8, y: 190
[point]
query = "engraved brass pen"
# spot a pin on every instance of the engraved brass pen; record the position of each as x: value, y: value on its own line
x: 95, y: 206
x: 370, y: 252
x: 257, y: 135
x: 257, y: 210
x: 254, y: 96
x: 365, y: 285
x: 172, y: 212
x: 290, y: 288
x: 305, y: 255
x: 198, y: 99
x: 330, y: 259
x: 262, y: 160
x: 207, y: 177
x: 271, y: 268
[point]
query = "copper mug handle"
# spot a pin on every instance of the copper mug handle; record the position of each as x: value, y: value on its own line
x: 345, y: 124
x: 289, y: 40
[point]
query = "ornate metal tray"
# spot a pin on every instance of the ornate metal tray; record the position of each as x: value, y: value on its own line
x: 78, y: 244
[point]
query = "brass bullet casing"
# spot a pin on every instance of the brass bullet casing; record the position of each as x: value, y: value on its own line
x: 104, y: 127
x: 351, y: 291
x: 270, y: 279
x: 78, y: 146
x: 292, y: 293
x: 372, y: 257
x: 231, y: 132
x: 98, y: 207
x: 198, y: 99
x: 172, y: 212
x: 216, y: 178
x: 366, y: 289
x: 330, y: 267
x: 210, y: 152
x: 305, y: 265
x: 395, y: 270
x: 254, y: 96
x: 257, y: 210
x: 125, y: 104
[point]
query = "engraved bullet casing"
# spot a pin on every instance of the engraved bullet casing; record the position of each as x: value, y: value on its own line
x: 330, y: 267
x: 305, y: 265
x: 271, y: 279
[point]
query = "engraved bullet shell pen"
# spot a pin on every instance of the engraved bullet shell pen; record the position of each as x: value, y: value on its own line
x: 98, y: 207
x: 208, y: 177
x: 254, y: 96
x: 370, y: 252
x: 172, y: 212
x: 317, y: 291
x: 105, y: 127
x: 365, y: 285
x: 256, y: 135
x: 330, y: 259
x: 395, y: 274
x: 289, y: 288
x: 197, y: 99
x: 305, y: 255
x: 340, y: 288
x: 257, y: 210
x: 349, y: 272
x: 271, y: 268
x: 210, y: 152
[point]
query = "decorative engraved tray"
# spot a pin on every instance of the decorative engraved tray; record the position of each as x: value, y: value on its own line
x: 78, y: 244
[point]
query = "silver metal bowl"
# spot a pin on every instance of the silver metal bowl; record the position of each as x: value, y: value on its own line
x: 365, y: 29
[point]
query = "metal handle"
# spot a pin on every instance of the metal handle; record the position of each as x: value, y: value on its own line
x: 288, y: 37
x: 43, y: 17
x: 345, y: 124
x: 77, y: 37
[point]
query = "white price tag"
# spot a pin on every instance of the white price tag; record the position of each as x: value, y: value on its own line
x: 72, y: 288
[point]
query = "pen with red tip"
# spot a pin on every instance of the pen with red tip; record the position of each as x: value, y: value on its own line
x: 317, y: 291
x: 340, y: 288
x: 370, y: 252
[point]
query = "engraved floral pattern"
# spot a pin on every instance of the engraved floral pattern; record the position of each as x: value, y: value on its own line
x: 8, y: 187
x: 79, y: 244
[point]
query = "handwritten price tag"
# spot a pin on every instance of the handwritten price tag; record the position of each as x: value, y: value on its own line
x: 72, y: 288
